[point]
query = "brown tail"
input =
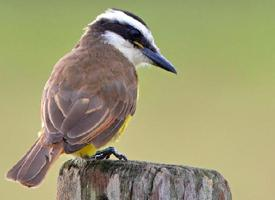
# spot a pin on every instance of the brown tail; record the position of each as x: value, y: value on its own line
x: 32, y: 168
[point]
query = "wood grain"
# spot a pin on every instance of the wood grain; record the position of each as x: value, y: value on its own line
x: 115, y: 180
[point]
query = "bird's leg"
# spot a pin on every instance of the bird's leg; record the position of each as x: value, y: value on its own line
x: 106, y: 153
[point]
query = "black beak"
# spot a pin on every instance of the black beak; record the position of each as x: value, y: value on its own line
x: 159, y: 60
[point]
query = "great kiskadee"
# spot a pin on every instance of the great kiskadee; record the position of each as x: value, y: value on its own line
x: 91, y: 93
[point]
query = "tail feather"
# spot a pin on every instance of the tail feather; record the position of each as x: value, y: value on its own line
x: 32, y: 168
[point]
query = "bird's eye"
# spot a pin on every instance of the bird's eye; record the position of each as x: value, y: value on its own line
x: 134, y: 33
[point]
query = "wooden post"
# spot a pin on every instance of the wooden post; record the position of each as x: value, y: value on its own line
x: 119, y: 180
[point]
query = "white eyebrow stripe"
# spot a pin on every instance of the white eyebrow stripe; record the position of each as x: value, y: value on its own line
x: 123, y: 18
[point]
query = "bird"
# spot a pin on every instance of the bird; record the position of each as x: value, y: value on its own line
x: 91, y: 94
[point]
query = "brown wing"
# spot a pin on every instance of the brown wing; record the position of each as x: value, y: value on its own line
x: 82, y: 118
x: 94, y: 102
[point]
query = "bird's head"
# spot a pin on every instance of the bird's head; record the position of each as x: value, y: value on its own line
x: 131, y: 36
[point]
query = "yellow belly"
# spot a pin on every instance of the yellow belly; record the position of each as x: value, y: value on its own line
x: 90, y: 149
x: 86, y: 151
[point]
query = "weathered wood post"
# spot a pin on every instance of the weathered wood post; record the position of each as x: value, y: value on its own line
x: 115, y: 180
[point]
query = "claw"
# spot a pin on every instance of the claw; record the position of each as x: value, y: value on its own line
x: 106, y: 153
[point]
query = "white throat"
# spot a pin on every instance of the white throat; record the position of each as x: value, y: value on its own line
x: 133, y: 54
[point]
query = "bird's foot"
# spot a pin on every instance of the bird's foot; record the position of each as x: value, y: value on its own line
x: 106, y: 153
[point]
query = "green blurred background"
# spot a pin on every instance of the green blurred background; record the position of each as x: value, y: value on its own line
x: 218, y: 113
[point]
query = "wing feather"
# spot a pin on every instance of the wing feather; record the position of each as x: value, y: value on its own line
x: 55, y: 115
x: 87, y: 124
x: 77, y: 111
